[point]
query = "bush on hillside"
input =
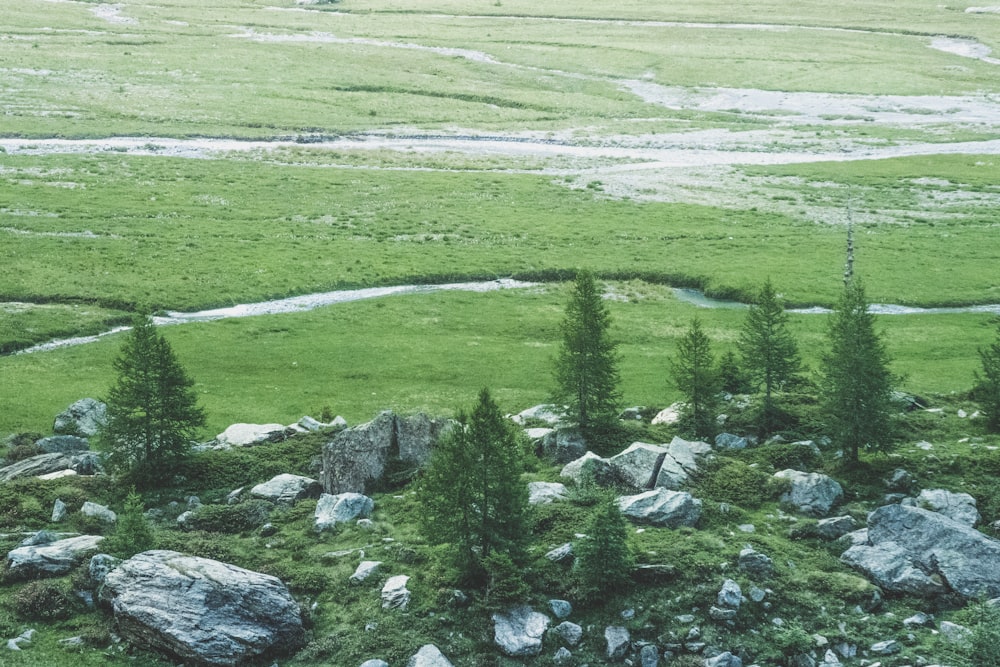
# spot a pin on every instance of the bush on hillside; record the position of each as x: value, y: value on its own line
x: 239, y: 518
x: 44, y: 601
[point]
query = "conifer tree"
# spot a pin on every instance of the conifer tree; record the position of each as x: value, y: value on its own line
x: 987, y: 389
x: 604, y: 560
x: 770, y: 355
x: 152, y: 408
x: 133, y: 534
x: 587, y: 366
x: 857, y: 389
x: 696, y: 376
x: 471, y: 491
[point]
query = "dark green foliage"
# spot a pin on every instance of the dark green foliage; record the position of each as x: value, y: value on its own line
x: 21, y: 446
x: 152, y: 408
x: 472, y: 493
x: 857, y: 387
x: 222, y: 471
x: 987, y: 389
x: 505, y: 583
x: 696, y: 377
x: 604, y: 560
x: 133, y: 534
x: 770, y: 355
x: 238, y: 518
x: 731, y: 375
x: 587, y: 366
x: 44, y: 601
x: 308, y: 579
x: 781, y: 456
x: 202, y: 544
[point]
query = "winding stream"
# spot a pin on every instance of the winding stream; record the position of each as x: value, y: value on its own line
x: 306, y: 302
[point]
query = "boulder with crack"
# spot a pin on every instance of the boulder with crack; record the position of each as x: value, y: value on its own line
x: 50, y: 558
x: 287, y: 489
x: 518, y: 632
x: 83, y: 418
x: 662, y: 507
x: 812, y: 493
x: 202, y: 610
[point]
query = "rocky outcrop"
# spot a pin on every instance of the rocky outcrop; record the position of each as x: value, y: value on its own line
x: 356, y: 457
x: 395, y: 594
x: 99, y: 512
x: 429, y: 655
x: 545, y: 413
x: 86, y: 463
x: 340, y: 508
x: 835, y: 527
x: 681, y: 461
x: 50, y: 559
x: 913, y: 550
x: 662, y: 507
x: 518, y: 632
x: 201, y: 610
x: 83, y: 418
x: 670, y: 415
x: 564, y: 445
x: 589, y: 468
x: 811, y: 493
x: 638, y: 464
x: 287, y: 489
x: 618, y: 642
x: 62, y: 444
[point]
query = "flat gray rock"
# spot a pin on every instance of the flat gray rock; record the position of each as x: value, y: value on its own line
x: 661, y: 507
x: 287, y: 489
x: 50, y: 559
x: 341, y: 508
x: 811, y: 493
x: 429, y: 655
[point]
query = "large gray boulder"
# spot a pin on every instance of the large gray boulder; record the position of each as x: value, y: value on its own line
x: 356, y: 457
x: 958, y: 506
x: 812, y: 493
x: 99, y: 512
x: 50, y: 559
x: 340, y: 508
x: 518, y: 632
x: 546, y: 413
x: 62, y: 444
x: 890, y: 567
x: 680, y: 462
x: 662, y: 507
x: 543, y: 493
x: 84, y: 463
x: 429, y: 655
x: 639, y: 464
x: 287, y: 489
x: 245, y: 435
x: 201, y: 610
x: 83, y: 418
x: 946, y: 550
x: 836, y: 527
x: 618, y: 642
x: 395, y: 594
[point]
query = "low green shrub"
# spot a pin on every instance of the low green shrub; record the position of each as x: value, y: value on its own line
x: 734, y: 482
x: 44, y: 601
x: 201, y: 544
x: 781, y: 456
x: 238, y: 518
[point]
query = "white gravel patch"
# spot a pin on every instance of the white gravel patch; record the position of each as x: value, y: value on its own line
x: 967, y: 48
x: 112, y: 14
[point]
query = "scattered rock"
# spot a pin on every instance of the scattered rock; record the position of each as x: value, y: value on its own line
x: 518, y: 632
x: 919, y: 620
x: 84, y: 463
x: 661, y: 507
x: 954, y: 633
x: 562, y: 656
x: 670, y: 415
x: 680, y: 462
x: 83, y: 418
x: 395, y: 595
x: 547, y: 413
x: 649, y: 656
x: 287, y: 489
x: 59, y: 511
x: 340, y: 508
x: 726, y: 659
x: 561, y: 553
x: 429, y: 655
x: 542, y: 493
x: 812, y: 493
x: 365, y: 569
x: 619, y: 642
x: 639, y: 464
x: 244, y: 435
x: 98, y: 512
x: 889, y: 566
x: 571, y: 633
x: 755, y: 563
x: 201, y: 610
x: 900, y: 481
x: 560, y: 608
x: 888, y: 647
x: 23, y: 638
x: 53, y: 559
x: 374, y: 663
x: 100, y: 566
x: 836, y: 527
x: 730, y: 441
x: 589, y: 468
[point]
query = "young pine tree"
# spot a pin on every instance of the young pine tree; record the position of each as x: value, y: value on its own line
x: 587, y: 366
x: 696, y: 376
x: 133, y: 534
x: 152, y: 408
x: 472, y: 494
x: 604, y: 561
x: 770, y: 355
x: 857, y: 387
x: 987, y: 389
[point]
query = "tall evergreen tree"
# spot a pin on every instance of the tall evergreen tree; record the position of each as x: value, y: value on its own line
x: 133, y: 534
x: 987, y: 389
x: 587, y: 366
x: 696, y: 376
x: 604, y: 560
x: 770, y: 355
x: 471, y: 491
x: 857, y: 390
x: 153, y: 411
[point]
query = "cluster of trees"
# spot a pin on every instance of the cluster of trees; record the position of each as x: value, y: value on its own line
x: 475, y: 502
